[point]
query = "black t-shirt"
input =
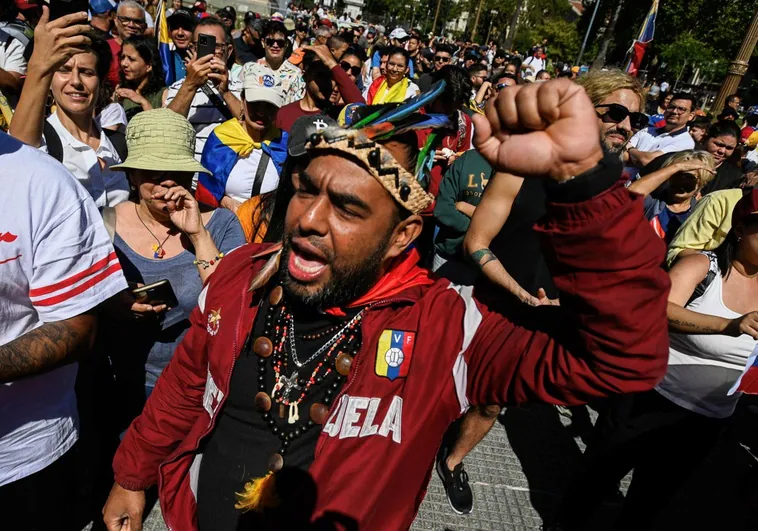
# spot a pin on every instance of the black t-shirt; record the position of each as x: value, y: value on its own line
x: 245, y: 53
x: 241, y: 443
x: 518, y: 246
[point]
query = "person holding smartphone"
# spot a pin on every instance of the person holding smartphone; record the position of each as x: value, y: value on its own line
x: 70, y: 61
x: 209, y: 95
x: 162, y: 233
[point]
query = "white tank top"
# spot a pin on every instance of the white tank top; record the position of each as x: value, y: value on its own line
x: 703, y: 367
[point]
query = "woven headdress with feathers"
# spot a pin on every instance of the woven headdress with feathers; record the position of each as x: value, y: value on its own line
x: 367, y: 126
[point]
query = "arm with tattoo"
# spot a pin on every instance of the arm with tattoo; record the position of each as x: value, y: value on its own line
x: 482, y: 257
x: 47, y: 347
x: 489, y: 217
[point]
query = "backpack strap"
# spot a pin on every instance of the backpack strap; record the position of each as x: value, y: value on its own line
x: 260, y: 173
x: 713, y: 270
x: 118, y: 139
x: 109, y: 219
x: 53, y: 141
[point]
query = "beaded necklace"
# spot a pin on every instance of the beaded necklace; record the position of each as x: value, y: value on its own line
x: 289, y: 391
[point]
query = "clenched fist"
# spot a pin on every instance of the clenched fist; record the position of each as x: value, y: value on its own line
x: 540, y: 130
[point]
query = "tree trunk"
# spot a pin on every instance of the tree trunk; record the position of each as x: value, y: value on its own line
x: 513, y: 26
x: 599, y: 61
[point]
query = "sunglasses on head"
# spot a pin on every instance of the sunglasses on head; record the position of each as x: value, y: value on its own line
x: 617, y: 113
x: 279, y: 42
x: 347, y: 67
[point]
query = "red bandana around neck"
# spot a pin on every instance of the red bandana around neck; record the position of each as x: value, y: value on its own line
x: 403, y: 273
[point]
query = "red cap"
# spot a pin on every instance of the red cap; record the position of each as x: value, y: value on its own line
x: 23, y: 5
x: 745, y: 208
x: 326, y: 22
x: 200, y: 5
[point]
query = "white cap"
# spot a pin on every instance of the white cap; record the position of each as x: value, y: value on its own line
x: 398, y: 33
x: 260, y: 84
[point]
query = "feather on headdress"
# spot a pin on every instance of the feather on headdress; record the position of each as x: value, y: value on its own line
x: 365, y: 126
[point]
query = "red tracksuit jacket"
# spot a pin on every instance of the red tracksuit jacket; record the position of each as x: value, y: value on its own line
x: 376, y: 452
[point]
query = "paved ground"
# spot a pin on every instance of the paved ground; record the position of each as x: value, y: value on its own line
x: 520, y: 469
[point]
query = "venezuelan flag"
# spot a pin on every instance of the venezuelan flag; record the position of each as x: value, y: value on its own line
x: 748, y: 380
x: 164, y: 44
x: 393, y: 355
x: 639, y: 46
x: 225, y: 145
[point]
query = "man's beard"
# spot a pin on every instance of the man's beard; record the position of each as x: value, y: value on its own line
x: 347, y: 283
x: 616, y: 149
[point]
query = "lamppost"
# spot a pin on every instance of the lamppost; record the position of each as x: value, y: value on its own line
x: 494, y: 13
x: 738, y: 67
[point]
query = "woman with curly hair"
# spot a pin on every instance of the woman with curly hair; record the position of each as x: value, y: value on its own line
x: 142, y: 80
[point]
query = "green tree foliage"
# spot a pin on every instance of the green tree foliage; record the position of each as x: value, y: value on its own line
x: 719, y: 25
x: 562, y: 38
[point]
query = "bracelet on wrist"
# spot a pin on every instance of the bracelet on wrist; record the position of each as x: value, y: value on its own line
x: 205, y: 264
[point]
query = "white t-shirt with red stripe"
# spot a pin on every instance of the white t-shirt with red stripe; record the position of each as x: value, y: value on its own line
x: 56, y: 262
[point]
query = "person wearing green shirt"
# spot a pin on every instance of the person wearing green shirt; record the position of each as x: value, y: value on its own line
x: 460, y: 191
x: 142, y: 81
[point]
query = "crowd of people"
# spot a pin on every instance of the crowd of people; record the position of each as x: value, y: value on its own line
x: 450, y: 231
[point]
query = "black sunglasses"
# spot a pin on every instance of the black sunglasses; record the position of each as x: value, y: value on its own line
x: 347, y: 67
x: 440, y: 59
x: 281, y: 43
x: 617, y: 113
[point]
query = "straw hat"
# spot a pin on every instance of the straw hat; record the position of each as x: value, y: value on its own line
x: 160, y: 140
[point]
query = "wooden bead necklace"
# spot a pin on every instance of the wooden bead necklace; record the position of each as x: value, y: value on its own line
x: 290, y: 391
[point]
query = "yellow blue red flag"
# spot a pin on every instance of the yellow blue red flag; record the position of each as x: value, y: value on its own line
x: 164, y: 44
x: 393, y: 354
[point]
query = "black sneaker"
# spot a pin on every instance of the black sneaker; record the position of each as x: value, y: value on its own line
x: 456, y: 485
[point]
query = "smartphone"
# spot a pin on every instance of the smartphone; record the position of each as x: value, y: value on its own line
x: 60, y: 8
x: 156, y: 294
x: 206, y: 45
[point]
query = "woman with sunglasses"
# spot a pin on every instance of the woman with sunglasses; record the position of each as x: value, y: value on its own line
x: 686, y: 173
x: 289, y: 78
x: 394, y: 87
x: 142, y: 81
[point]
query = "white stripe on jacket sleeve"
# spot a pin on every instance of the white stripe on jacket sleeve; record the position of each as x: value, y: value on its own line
x: 472, y: 318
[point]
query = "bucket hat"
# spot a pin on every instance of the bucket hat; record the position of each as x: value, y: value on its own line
x: 160, y: 140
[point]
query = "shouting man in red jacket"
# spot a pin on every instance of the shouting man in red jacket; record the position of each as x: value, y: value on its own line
x: 317, y: 379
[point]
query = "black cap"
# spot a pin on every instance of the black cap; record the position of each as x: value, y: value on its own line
x: 227, y: 12
x: 302, y: 130
x: 181, y: 14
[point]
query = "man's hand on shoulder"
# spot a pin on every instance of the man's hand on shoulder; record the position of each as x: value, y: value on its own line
x: 540, y: 130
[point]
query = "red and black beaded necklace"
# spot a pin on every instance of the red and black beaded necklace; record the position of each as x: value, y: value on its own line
x: 277, y: 343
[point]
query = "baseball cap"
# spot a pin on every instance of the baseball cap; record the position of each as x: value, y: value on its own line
x: 296, y: 57
x: 326, y: 22
x: 277, y: 16
x: 302, y: 130
x: 23, y: 5
x: 752, y: 110
x: 96, y: 7
x: 399, y: 34
x: 752, y: 140
x: 745, y: 208
x: 160, y: 140
x: 181, y: 15
x: 260, y: 84
x: 289, y: 24
x: 227, y: 12
x: 200, y: 5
